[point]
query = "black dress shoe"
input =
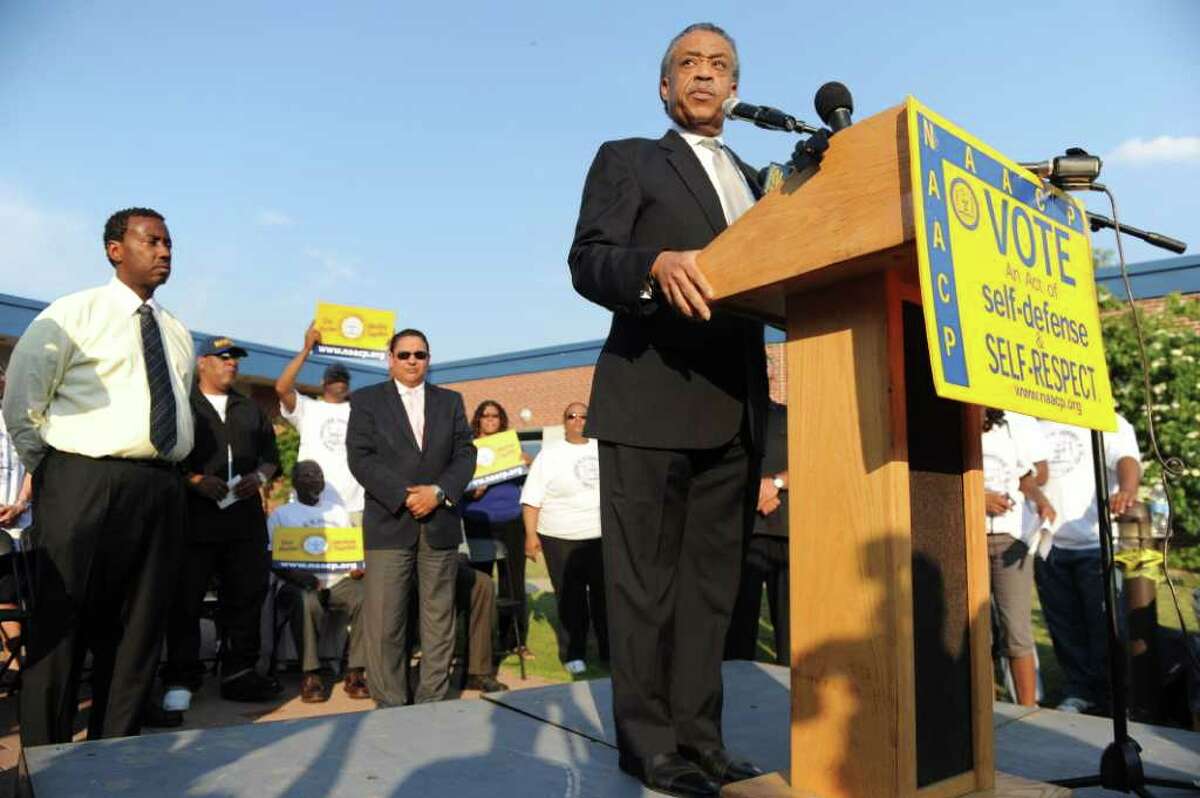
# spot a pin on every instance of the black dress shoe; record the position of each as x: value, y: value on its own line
x: 155, y: 717
x: 719, y: 765
x: 671, y: 774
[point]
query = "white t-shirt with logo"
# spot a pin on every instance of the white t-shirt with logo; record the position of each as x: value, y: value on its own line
x: 322, y: 428
x: 564, y: 481
x: 1071, y: 487
x: 1004, y: 463
x: 310, y: 516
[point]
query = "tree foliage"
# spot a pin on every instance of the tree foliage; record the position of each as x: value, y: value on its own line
x: 1173, y: 360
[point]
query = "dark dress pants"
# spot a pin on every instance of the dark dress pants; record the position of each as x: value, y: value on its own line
x: 107, y: 540
x: 765, y: 563
x: 673, y: 524
x: 1071, y: 592
x: 241, y: 565
x: 576, y: 570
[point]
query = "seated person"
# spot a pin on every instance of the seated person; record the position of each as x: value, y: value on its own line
x: 311, y: 595
x: 474, y: 594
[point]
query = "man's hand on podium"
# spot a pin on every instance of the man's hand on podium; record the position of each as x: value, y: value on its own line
x: 681, y: 283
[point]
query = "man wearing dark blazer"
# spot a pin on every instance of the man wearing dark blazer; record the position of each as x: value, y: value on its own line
x: 409, y: 446
x: 677, y: 404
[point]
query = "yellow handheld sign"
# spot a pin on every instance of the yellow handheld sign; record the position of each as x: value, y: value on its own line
x: 1006, y: 281
x: 348, y: 331
x: 498, y: 459
x: 327, y: 549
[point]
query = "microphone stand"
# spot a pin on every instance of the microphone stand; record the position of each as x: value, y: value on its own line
x: 1099, y: 221
x: 1121, y: 762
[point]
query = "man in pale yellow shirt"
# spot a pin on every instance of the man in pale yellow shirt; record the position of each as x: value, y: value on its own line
x: 97, y: 408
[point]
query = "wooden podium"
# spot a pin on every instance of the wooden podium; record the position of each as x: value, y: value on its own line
x: 891, y: 685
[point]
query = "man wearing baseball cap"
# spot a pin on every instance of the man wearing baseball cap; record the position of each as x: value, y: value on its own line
x: 233, y: 458
x: 322, y: 426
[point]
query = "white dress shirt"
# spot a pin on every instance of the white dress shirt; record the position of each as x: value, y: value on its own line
x: 77, y: 379
x: 414, y: 405
x: 708, y: 161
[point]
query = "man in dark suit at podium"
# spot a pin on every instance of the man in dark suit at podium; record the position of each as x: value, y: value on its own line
x: 678, y: 403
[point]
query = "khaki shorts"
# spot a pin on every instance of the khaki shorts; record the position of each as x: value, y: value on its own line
x: 1012, y: 594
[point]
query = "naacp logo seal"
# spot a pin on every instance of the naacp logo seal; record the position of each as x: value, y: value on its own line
x: 315, y: 545
x: 352, y: 327
x: 964, y: 202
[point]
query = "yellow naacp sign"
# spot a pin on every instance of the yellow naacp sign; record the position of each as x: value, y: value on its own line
x: 327, y: 549
x: 497, y: 459
x: 1006, y: 281
x: 348, y: 331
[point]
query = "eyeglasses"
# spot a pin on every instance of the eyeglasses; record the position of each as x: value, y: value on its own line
x: 419, y: 355
x: 575, y: 416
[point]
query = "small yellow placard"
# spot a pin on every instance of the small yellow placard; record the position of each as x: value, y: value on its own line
x: 1007, y: 281
x: 498, y: 459
x: 318, y: 548
x: 348, y: 331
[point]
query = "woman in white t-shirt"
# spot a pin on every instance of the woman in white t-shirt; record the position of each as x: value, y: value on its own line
x: 1009, y: 474
x: 561, y: 509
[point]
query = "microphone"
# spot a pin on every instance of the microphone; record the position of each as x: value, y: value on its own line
x: 834, y: 105
x: 1098, y: 221
x: 764, y: 116
x: 1075, y: 170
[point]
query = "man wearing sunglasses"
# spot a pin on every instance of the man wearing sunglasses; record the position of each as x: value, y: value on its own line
x: 409, y: 445
x: 234, y: 457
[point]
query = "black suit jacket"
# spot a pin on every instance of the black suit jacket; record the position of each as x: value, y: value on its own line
x: 661, y: 381
x: 384, y: 458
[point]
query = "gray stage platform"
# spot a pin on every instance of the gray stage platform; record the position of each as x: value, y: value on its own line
x: 552, y: 741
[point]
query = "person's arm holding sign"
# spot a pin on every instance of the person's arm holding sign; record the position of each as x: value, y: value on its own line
x: 285, y: 386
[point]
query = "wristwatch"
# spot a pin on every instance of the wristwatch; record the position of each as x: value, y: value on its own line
x: 439, y: 494
x: 778, y: 482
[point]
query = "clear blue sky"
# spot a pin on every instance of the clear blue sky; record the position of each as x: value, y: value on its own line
x: 429, y: 160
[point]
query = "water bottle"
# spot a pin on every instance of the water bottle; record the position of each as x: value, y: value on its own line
x: 1158, y: 508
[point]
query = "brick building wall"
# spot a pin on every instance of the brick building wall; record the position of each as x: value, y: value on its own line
x: 547, y: 393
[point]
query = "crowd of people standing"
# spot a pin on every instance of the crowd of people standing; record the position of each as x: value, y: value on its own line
x: 145, y: 468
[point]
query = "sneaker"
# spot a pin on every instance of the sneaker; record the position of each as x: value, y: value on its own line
x: 576, y: 667
x: 250, y: 687
x: 1074, y: 704
x: 177, y: 699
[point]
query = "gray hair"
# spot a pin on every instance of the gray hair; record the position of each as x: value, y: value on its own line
x: 700, y: 26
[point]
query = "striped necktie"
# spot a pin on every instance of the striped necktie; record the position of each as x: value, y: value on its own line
x: 158, y: 376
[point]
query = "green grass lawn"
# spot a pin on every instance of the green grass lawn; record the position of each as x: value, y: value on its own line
x: 543, y: 641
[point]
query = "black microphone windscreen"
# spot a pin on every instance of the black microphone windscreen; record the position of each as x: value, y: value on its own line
x: 830, y: 97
